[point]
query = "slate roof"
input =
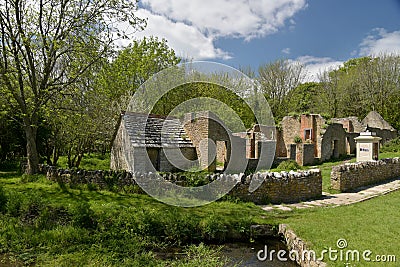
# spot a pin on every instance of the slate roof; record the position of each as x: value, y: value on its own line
x: 375, y: 120
x: 155, y: 130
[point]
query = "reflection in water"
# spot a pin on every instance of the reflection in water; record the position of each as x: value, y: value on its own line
x: 245, y: 254
x: 240, y: 254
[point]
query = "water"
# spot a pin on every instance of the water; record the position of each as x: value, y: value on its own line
x: 241, y: 253
x: 245, y: 254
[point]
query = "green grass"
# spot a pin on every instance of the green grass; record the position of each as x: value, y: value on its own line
x: 50, y: 224
x: 371, y: 225
x: 389, y: 155
x: 326, y: 169
x: 392, y: 146
x: 93, y: 161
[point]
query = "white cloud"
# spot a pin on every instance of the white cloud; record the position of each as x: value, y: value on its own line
x: 192, y: 27
x: 187, y: 41
x: 314, y: 66
x: 286, y: 51
x: 234, y: 18
x: 380, y: 41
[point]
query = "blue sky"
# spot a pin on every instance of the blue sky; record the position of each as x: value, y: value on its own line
x: 320, y: 34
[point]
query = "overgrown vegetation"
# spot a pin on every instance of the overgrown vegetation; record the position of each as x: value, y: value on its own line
x: 46, y: 223
x: 288, y: 165
x: 392, y: 146
x: 93, y: 161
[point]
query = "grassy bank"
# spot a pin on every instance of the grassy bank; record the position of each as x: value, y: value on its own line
x: 50, y: 224
x: 371, y: 225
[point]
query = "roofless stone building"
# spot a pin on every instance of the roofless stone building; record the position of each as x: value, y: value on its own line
x: 150, y: 143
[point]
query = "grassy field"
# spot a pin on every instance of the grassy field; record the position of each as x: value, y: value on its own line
x: 93, y: 161
x: 54, y: 225
x: 48, y: 224
x: 371, y: 225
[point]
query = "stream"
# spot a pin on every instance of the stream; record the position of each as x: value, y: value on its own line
x: 245, y: 254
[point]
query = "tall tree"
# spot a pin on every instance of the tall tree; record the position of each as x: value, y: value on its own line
x: 365, y: 84
x: 132, y: 66
x: 307, y: 97
x: 41, y: 50
x: 277, y: 79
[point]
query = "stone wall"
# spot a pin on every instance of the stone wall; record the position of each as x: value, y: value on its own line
x: 177, y: 158
x: 290, y: 130
x: 281, y: 149
x: 333, y: 142
x: 305, y: 154
x: 283, y: 187
x: 204, y: 125
x: 350, y: 176
x: 385, y: 134
x: 294, y: 243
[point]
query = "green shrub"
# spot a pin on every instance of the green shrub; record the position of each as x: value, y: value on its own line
x: 297, y: 139
x: 180, y: 227
x: 9, y: 165
x: 27, y: 178
x: 392, y: 146
x: 51, y: 217
x: 201, y: 255
x: 288, y: 165
x: 30, y: 208
x: 214, y: 228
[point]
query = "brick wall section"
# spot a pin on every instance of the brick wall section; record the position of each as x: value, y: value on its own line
x: 283, y: 187
x: 350, y: 176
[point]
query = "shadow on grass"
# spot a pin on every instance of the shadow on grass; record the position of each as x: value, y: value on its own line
x: 9, y: 174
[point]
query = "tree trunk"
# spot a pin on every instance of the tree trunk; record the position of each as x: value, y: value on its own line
x: 31, y: 149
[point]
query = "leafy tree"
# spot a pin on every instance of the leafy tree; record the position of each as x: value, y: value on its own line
x: 42, y: 46
x: 132, y: 66
x: 277, y: 79
x: 365, y: 84
x: 84, y: 119
x: 307, y: 98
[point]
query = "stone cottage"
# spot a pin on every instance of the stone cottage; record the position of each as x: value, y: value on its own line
x: 201, y: 140
x: 143, y: 141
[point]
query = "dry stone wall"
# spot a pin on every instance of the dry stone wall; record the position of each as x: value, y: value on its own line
x: 294, y: 243
x: 350, y: 176
x: 280, y: 187
x: 276, y: 187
